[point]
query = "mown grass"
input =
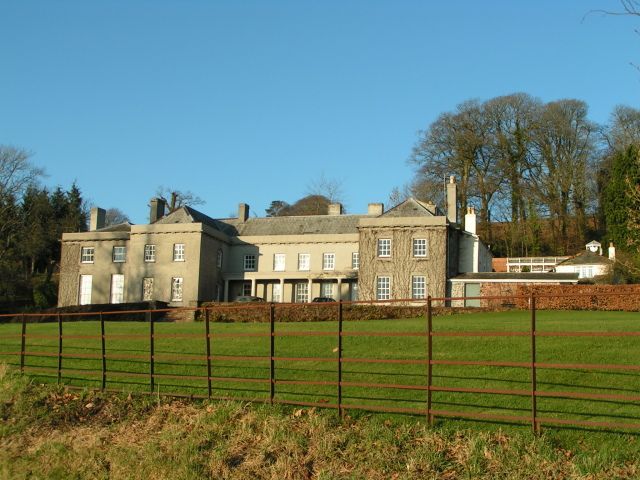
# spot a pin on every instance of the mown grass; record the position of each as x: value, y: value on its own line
x: 48, y: 432
x: 590, y: 350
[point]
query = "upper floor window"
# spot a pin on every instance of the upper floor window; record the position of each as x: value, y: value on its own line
x: 384, y: 247
x: 383, y: 288
x: 249, y: 263
x: 119, y: 254
x: 328, y: 261
x: 219, y: 258
x: 355, y: 260
x: 87, y: 254
x: 304, y: 262
x: 149, y: 253
x: 278, y: 262
x: 419, y: 247
x: 178, y: 252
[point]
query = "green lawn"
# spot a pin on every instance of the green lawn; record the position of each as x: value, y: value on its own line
x: 128, y: 361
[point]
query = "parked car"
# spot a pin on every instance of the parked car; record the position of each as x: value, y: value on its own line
x: 322, y: 300
x: 248, y: 298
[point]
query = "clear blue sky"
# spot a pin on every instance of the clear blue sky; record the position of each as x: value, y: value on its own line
x: 249, y: 101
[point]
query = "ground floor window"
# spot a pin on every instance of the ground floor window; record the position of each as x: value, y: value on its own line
x: 302, y: 292
x: 86, y: 282
x: 276, y: 295
x: 383, y: 288
x: 354, y: 292
x: 418, y: 287
x: 176, y: 289
x: 326, y: 289
x: 147, y: 289
x: 246, y: 289
x: 117, y: 288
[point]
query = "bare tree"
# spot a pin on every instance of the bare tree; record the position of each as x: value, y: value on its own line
x: 176, y: 199
x: 324, y: 186
x: 17, y: 174
x: 115, y: 216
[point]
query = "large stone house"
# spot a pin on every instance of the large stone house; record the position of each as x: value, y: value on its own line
x: 186, y: 257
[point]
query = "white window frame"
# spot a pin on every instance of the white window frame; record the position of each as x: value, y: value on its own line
x: 383, y: 288
x: 117, y: 288
x: 121, y: 256
x: 302, y: 292
x: 178, y: 252
x: 177, y: 289
x: 420, y: 247
x: 84, y: 289
x: 219, y: 258
x: 418, y: 287
x: 326, y: 289
x: 355, y: 260
x: 304, y: 262
x: 87, y: 254
x: 147, y: 294
x: 149, y: 253
x: 250, y: 262
x: 279, y: 260
x: 328, y: 261
x: 384, y: 248
x: 246, y: 289
x: 276, y: 294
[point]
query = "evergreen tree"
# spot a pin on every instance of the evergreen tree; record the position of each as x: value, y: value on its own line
x: 618, y: 201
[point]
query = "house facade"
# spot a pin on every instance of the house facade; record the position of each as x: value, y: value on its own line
x: 186, y: 257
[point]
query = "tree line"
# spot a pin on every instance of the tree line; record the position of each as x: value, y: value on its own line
x: 32, y: 221
x: 536, y: 172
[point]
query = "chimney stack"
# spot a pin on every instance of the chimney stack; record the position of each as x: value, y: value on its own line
x: 612, y: 251
x: 470, y: 220
x: 97, y: 218
x: 452, y: 202
x: 243, y: 211
x: 375, y: 209
x: 157, y: 209
x: 335, y: 209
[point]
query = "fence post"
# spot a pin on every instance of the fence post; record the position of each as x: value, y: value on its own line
x: 104, y: 353
x: 340, y: 409
x: 206, y: 322
x: 23, y: 342
x: 429, y: 359
x: 534, y: 404
x: 59, y: 348
x: 272, y: 350
x: 151, y: 352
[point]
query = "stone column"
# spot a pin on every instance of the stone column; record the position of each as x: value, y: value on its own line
x: 310, y: 290
x: 253, y: 287
x: 339, y: 289
x: 282, y: 290
x: 226, y: 290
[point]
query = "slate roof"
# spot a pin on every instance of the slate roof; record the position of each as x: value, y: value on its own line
x: 551, y: 276
x: 295, y: 225
x: 120, y: 227
x: 587, y: 258
x: 412, y: 208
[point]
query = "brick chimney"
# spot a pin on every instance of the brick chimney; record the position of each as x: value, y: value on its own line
x: 243, y: 211
x: 157, y: 209
x: 97, y: 218
x: 375, y: 209
x: 452, y: 201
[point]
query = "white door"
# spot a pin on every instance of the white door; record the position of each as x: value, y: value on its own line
x: 85, y: 289
x: 117, y: 288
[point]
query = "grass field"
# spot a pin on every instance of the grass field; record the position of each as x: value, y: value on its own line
x: 132, y: 373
